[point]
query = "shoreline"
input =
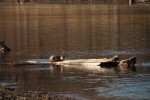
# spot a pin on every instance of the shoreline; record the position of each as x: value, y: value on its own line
x: 65, y: 3
x: 18, y: 94
x: 68, y: 5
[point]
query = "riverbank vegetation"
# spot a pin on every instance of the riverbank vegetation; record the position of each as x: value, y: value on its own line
x: 76, y: 1
x: 18, y: 94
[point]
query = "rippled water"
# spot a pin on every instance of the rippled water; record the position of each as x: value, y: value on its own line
x: 36, y: 31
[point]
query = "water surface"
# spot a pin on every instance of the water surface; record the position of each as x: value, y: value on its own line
x: 36, y: 31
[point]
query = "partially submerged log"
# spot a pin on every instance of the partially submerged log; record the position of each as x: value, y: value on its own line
x: 114, y: 58
x: 128, y: 62
x: 109, y: 64
x: 123, y: 63
x: 113, y: 62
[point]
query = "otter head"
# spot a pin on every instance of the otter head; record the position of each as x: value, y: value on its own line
x: 56, y: 58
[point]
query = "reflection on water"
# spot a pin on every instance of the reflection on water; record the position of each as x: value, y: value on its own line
x: 84, y: 82
x: 41, y: 30
x: 35, y: 31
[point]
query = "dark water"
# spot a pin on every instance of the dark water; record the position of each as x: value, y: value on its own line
x: 36, y: 31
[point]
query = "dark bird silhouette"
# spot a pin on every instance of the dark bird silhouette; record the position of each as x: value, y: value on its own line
x: 3, y: 47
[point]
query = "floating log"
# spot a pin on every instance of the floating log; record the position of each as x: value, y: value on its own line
x: 128, y: 62
x: 114, y: 58
x: 123, y: 63
x: 109, y: 64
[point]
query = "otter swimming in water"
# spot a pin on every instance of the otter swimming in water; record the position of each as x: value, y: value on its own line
x: 21, y: 2
x: 56, y: 58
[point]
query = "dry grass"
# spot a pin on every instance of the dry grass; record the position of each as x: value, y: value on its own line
x: 15, y: 94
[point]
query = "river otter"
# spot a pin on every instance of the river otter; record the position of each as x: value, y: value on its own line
x: 21, y: 2
x: 56, y: 58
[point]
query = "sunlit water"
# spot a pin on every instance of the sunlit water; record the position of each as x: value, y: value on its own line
x: 36, y: 31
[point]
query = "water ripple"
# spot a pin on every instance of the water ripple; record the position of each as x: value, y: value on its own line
x: 111, y: 52
x: 131, y: 88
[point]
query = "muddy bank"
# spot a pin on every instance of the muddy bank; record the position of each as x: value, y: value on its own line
x: 18, y: 94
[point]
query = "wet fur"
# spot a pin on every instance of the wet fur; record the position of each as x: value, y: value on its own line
x: 56, y: 58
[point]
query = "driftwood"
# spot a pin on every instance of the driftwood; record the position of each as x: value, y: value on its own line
x: 109, y: 64
x: 128, y: 62
x: 123, y: 63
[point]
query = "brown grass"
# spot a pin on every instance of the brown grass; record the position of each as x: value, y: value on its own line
x: 15, y: 94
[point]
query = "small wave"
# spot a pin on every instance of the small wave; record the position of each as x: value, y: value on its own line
x: 143, y: 64
x: 7, y: 84
x: 127, y: 52
x: 126, y: 89
x: 37, y: 60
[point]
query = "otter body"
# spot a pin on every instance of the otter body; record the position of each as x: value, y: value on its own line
x: 56, y: 58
